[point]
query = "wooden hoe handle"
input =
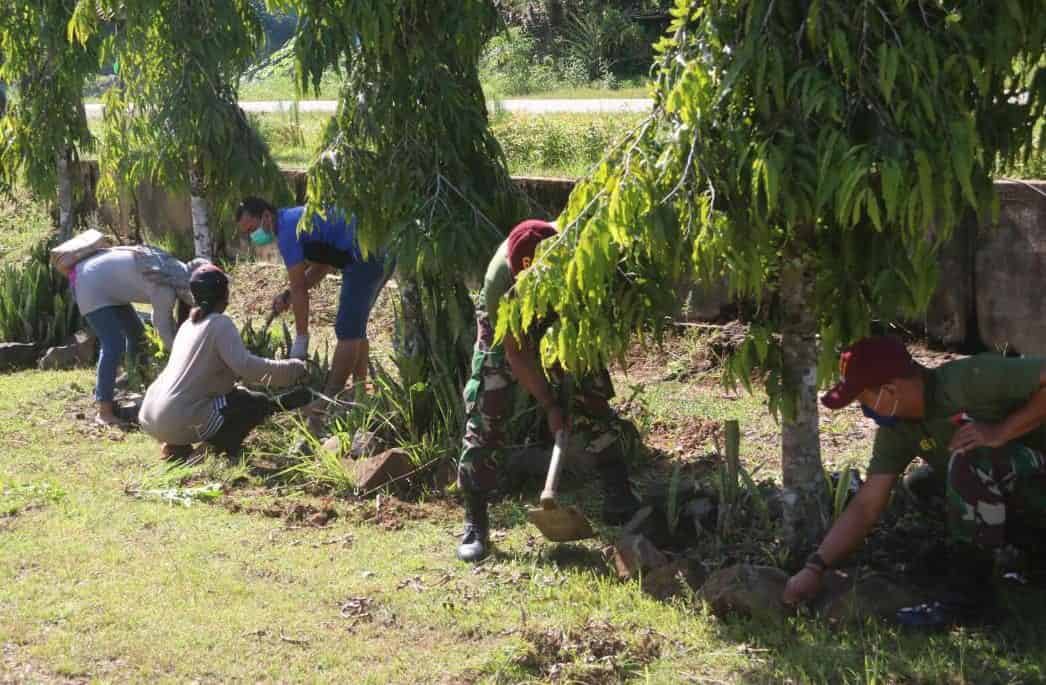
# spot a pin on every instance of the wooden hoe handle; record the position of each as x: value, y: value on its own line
x: 548, y: 495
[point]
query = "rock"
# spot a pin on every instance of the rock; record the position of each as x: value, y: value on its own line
x: 746, y: 589
x: 333, y: 445
x: 366, y: 444
x: 378, y: 471
x: 844, y: 598
x: 321, y: 518
x: 1009, y: 267
x: 15, y: 356
x: 634, y: 554
x: 636, y: 523
x: 674, y: 579
x: 78, y: 352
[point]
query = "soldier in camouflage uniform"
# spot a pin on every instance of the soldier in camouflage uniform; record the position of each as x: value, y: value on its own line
x: 976, y: 422
x: 496, y: 368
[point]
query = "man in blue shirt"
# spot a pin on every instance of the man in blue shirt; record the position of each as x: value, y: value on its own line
x: 325, y: 244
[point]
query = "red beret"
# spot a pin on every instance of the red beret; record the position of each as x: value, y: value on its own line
x: 869, y: 363
x: 523, y: 240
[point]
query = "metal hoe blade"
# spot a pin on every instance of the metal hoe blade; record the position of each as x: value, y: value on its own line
x: 557, y: 523
x: 560, y: 524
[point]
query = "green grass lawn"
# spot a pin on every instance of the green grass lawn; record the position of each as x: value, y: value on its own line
x: 101, y: 586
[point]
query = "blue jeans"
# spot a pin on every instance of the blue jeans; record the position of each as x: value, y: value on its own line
x: 361, y: 282
x: 119, y: 330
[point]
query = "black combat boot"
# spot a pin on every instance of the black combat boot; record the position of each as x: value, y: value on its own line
x: 619, y: 504
x: 475, y: 542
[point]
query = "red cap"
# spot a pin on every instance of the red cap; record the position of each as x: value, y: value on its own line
x: 869, y: 363
x: 523, y: 240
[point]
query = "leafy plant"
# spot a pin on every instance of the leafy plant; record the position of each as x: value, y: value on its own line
x: 173, y: 118
x: 813, y: 154
x: 36, y: 305
x: 265, y: 342
x: 673, y: 506
x: 44, y: 129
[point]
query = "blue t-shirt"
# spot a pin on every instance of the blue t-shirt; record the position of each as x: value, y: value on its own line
x: 331, y: 241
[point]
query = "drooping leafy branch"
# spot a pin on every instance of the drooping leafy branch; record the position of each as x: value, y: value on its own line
x: 410, y: 153
x: 812, y: 153
x: 45, y: 128
x: 173, y: 117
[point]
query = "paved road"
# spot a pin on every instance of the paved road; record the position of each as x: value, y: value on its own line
x: 513, y: 105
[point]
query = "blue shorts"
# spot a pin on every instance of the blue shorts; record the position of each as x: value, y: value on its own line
x: 360, y: 284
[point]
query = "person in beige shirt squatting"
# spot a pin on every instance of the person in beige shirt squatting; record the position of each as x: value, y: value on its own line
x: 195, y: 399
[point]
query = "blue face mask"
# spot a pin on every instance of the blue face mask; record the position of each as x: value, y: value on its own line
x: 260, y: 237
x: 880, y: 420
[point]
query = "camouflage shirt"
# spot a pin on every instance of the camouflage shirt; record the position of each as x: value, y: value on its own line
x: 496, y: 283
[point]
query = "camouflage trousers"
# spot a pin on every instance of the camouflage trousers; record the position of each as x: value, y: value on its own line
x: 986, y: 486
x: 489, y: 402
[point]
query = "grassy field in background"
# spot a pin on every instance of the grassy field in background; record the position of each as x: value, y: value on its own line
x: 280, y: 84
x: 535, y: 144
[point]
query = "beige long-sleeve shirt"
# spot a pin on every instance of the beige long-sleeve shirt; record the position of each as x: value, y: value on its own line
x: 206, y: 360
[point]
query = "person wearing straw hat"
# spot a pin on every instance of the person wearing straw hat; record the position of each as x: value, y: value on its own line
x: 105, y: 285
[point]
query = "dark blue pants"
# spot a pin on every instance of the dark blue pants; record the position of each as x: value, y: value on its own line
x: 119, y: 330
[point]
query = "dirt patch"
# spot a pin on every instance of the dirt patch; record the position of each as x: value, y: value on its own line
x: 392, y: 513
x: 692, y: 439
x: 254, y: 284
x: 388, y: 513
x: 592, y: 653
x: 314, y: 513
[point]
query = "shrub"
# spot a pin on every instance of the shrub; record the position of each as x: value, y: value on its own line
x: 36, y: 305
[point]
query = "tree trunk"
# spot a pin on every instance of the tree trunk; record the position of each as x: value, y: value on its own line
x: 805, y: 497
x: 65, y: 194
x: 201, y: 227
x: 409, y: 346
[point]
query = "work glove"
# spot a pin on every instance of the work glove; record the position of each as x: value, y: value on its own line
x: 300, y: 348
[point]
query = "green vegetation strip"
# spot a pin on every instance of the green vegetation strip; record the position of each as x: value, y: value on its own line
x: 101, y: 584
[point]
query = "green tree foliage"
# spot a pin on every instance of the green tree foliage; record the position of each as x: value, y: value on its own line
x: 813, y: 153
x: 173, y: 119
x: 45, y: 128
x: 410, y: 153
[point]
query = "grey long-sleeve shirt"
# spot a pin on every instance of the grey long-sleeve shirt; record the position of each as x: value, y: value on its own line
x: 206, y: 360
x: 112, y: 277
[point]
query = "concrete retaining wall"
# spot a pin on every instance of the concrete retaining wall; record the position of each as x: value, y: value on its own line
x: 991, y: 284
